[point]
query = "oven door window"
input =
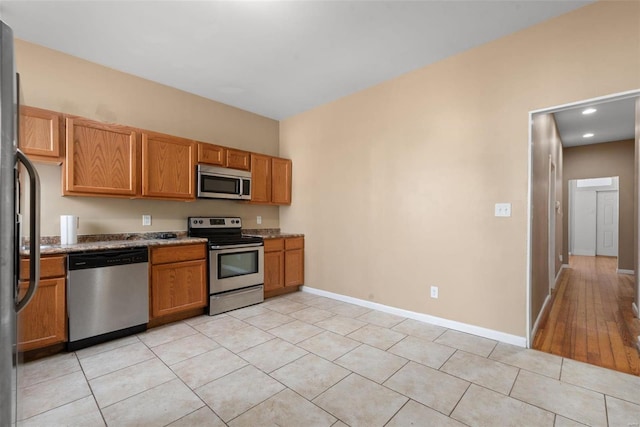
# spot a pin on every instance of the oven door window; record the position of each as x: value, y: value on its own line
x: 219, y: 184
x: 237, y: 264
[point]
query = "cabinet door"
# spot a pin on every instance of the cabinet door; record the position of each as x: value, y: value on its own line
x: 42, y: 322
x: 168, y: 167
x: 177, y: 287
x: 294, y: 267
x: 210, y: 154
x: 281, y: 181
x: 238, y: 159
x: 100, y: 159
x: 273, y: 270
x: 260, y: 178
x: 40, y: 133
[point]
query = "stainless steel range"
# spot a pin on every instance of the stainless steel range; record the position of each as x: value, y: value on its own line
x: 236, y: 263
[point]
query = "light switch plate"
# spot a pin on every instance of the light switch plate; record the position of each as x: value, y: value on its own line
x: 146, y: 219
x: 503, y: 209
x: 259, y: 219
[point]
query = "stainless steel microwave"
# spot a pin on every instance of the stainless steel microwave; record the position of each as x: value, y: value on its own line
x: 223, y: 183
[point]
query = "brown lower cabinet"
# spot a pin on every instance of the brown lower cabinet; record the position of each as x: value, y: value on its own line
x: 43, y: 321
x: 178, y: 279
x: 283, y: 265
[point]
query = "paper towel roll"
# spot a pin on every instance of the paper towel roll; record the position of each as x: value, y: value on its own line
x: 68, y: 229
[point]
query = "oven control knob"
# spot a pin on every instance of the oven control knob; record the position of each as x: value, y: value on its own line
x: 200, y: 222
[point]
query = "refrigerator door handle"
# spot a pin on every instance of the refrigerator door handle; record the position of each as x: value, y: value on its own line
x: 34, y: 230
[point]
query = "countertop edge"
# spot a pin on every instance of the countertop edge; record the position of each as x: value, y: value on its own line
x: 114, y: 244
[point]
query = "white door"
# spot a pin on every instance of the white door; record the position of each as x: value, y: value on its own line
x: 607, y: 224
x: 584, y: 223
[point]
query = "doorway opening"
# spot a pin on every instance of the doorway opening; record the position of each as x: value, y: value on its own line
x: 583, y: 203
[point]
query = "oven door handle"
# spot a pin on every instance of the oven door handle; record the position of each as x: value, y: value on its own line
x: 243, y: 245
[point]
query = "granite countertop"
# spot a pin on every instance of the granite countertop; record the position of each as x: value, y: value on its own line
x: 52, y: 246
x: 270, y: 233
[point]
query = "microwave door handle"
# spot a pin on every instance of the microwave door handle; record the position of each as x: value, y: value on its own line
x: 34, y: 231
x: 241, y: 188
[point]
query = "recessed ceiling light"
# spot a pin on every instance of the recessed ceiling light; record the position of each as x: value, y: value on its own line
x: 587, y: 135
x: 589, y: 111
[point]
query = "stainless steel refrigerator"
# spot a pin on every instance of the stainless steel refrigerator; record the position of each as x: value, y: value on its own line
x: 11, y: 159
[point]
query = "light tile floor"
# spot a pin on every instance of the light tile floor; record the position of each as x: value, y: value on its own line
x: 306, y: 360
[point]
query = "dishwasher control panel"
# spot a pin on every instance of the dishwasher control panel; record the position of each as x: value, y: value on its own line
x: 106, y: 258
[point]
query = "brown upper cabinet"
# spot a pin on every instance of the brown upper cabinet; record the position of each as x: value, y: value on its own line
x: 215, y: 155
x: 111, y: 160
x: 238, y: 159
x: 281, y: 181
x: 168, y: 167
x: 101, y: 159
x: 209, y: 154
x: 271, y: 180
x: 41, y: 134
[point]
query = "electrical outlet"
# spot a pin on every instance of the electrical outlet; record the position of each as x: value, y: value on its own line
x: 146, y: 220
x: 434, y: 292
x: 503, y: 209
x: 259, y: 219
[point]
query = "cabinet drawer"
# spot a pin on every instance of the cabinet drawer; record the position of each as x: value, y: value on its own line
x: 49, y: 267
x: 294, y: 243
x: 271, y: 245
x: 165, y: 254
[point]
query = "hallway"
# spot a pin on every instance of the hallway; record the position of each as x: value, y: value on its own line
x: 591, y: 317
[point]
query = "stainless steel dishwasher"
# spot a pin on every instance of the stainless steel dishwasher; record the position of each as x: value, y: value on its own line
x: 107, y: 295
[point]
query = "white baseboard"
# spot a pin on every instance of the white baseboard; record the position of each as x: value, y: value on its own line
x: 537, y: 322
x: 451, y: 324
x: 623, y: 271
x: 562, y: 267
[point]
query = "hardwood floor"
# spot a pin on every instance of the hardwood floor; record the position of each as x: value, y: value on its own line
x: 591, y: 318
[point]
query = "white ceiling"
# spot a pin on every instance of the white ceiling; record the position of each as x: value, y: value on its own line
x: 274, y: 58
x: 613, y: 121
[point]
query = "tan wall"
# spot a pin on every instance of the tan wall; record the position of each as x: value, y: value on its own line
x: 602, y: 160
x: 59, y: 82
x: 547, y: 149
x: 395, y: 186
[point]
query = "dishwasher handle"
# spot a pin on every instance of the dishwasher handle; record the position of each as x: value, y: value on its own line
x: 107, y: 258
